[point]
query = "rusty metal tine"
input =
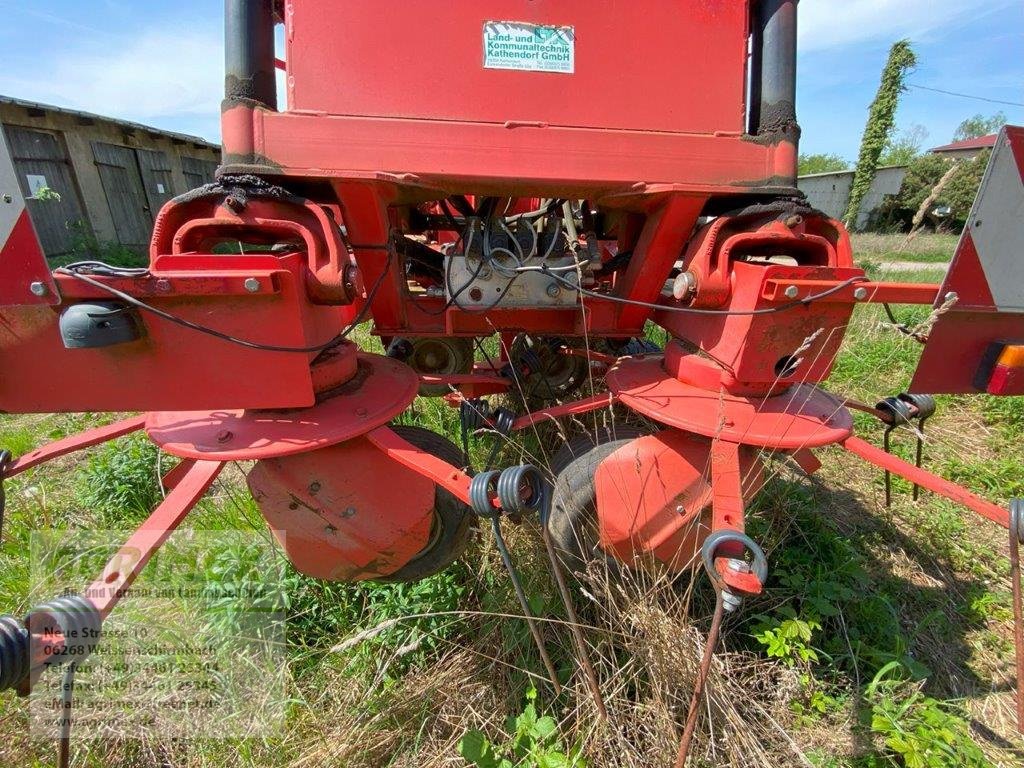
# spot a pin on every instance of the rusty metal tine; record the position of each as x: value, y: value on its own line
x: 700, y: 681
x: 888, y: 475
x: 524, y: 603
x: 574, y: 623
x: 1016, y: 530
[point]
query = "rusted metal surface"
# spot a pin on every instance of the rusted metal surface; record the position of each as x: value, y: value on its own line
x: 699, y: 682
x: 1016, y: 530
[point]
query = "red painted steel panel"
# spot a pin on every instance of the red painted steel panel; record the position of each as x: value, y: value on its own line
x: 677, y: 65
x: 654, y: 496
x: 172, y: 367
x: 489, y: 158
x: 987, y: 276
x: 345, y: 512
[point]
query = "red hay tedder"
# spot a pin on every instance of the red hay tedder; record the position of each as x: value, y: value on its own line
x: 584, y: 169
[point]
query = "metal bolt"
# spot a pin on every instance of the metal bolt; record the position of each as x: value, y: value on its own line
x: 349, y: 512
x: 860, y: 293
x: 38, y: 289
x: 952, y: 296
x: 730, y: 601
x: 252, y: 284
x: 360, y: 411
x: 792, y: 291
x: 224, y: 435
x: 553, y: 290
x: 314, y: 487
x: 684, y: 286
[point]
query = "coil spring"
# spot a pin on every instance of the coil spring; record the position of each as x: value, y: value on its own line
x: 522, y: 490
x: 15, y: 658
x: 519, y: 490
x: 481, y: 487
x: 77, y: 620
x: 474, y: 413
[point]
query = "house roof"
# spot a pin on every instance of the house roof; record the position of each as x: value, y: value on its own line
x: 981, y: 142
x: 124, y: 123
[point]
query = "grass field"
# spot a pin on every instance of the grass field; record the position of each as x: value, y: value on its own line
x: 883, y: 639
x: 925, y: 248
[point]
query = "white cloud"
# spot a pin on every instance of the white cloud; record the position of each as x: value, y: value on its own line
x: 162, y: 77
x: 825, y: 24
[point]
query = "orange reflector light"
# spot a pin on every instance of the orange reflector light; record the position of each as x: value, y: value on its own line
x: 1002, y: 370
x: 1012, y: 356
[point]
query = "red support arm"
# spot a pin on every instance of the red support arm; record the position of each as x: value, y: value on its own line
x: 123, y: 568
x: 574, y: 408
x: 926, y: 479
x: 727, y: 513
x: 74, y: 443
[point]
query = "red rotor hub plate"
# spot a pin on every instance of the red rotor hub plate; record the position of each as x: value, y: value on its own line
x: 801, y: 417
x: 380, y: 390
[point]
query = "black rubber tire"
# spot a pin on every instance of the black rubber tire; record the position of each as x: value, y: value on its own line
x: 580, y: 444
x: 454, y: 518
x: 573, y: 521
x: 639, y: 346
x: 536, y: 388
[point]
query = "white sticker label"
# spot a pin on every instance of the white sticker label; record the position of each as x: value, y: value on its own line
x: 36, y: 183
x: 529, y: 47
x: 160, y: 188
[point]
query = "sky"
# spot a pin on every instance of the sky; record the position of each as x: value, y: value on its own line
x: 160, y: 63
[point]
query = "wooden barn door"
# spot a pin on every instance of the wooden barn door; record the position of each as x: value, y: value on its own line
x: 40, y: 160
x: 130, y: 207
x: 156, y: 177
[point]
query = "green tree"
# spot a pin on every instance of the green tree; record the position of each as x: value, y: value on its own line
x: 881, y: 119
x: 821, y: 163
x: 922, y: 176
x: 904, y: 147
x: 979, y: 125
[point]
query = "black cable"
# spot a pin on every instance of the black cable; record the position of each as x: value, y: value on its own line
x: 131, y: 300
x: 770, y: 311
x: 966, y: 95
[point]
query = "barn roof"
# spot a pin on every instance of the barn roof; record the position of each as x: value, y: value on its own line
x: 32, y: 105
x: 981, y: 142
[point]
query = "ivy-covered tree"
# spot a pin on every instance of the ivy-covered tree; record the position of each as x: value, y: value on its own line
x: 904, y: 147
x: 881, y: 119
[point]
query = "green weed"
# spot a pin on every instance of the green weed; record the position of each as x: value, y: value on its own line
x: 119, y: 481
x: 918, y: 730
x: 533, y: 743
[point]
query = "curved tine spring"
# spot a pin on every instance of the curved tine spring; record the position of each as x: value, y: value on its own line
x: 522, y: 489
x: 481, y: 487
x: 474, y: 413
x: 15, y: 657
x: 502, y: 419
x: 78, y: 621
